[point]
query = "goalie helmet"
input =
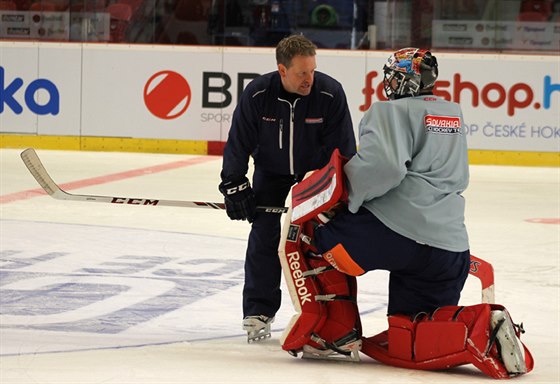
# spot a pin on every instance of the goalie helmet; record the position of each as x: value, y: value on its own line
x: 409, y: 72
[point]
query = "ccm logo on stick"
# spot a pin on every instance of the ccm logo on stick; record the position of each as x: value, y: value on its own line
x: 122, y: 200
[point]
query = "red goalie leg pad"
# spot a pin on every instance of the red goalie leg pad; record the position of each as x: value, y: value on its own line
x: 310, y: 314
x: 324, y: 298
x: 339, y: 292
x: 449, y: 337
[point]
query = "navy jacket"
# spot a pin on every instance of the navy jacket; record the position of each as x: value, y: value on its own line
x: 288, y: 138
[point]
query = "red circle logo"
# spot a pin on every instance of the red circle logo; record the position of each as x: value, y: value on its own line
x: 167, y: 95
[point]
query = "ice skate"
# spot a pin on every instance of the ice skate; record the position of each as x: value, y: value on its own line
x: 344, y: 350
x: 509, y: 346
x: 257, y: 327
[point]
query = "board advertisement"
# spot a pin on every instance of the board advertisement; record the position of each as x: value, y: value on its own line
x: 510, y: 102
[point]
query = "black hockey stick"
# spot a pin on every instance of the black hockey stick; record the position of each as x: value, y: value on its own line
x: 39, y: 172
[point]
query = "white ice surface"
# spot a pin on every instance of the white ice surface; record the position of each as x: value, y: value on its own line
x: 98, y: 293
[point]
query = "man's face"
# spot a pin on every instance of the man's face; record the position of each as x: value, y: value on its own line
x: 298, y: 78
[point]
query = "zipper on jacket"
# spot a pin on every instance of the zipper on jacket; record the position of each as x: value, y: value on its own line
x: 291, y: 132
x: 292, y: 128
x: 280, y: 133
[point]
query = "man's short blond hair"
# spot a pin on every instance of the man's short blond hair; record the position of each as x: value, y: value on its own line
x: 294, y: 45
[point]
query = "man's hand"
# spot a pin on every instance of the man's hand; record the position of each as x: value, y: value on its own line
x: 239, y: 198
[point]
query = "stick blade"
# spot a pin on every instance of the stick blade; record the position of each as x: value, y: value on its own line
x: 38, y: 171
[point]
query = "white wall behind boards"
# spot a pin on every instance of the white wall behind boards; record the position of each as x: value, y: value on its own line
x: 510, y: 102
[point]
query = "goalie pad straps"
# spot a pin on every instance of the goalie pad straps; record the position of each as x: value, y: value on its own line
x: 452, y: 336
x: 327, y: 315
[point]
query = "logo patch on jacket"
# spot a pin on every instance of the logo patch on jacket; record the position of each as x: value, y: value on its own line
x: 270, y: 119
x: 313, y: 120
x: 446, y: 125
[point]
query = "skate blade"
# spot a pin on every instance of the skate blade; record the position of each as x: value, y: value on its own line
x: 354, y: 348
x: 253, y: 336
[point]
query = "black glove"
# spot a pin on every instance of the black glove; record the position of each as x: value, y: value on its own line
x: 239, y: 198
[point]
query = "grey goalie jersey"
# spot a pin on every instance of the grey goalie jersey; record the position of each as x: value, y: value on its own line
x: 411, y: 168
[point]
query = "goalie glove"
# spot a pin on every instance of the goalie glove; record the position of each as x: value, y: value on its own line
x: 239, y: 198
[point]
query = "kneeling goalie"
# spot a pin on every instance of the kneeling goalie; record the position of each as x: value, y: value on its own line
x: 396, y: 206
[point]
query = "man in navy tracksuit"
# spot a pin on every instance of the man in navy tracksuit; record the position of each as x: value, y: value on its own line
x: 289, y: 121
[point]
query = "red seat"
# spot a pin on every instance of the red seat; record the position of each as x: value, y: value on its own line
x: 135, y: 5
x: 23, y: 5
x: 120, y: 11
x: 121, y: 14
x: 43, y: 6
x: 61, y: 5
x: 8, y: 6
x: 544, y: 7
x: 531, y: 16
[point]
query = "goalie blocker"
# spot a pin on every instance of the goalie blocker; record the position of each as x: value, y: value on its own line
x: 327, y: 322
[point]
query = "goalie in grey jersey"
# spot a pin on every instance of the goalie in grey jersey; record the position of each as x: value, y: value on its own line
x: 405, y: 185
x: 404, y: 213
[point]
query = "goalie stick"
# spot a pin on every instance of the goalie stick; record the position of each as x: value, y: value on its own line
x: 39, y: 172
x: 484, y: 271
